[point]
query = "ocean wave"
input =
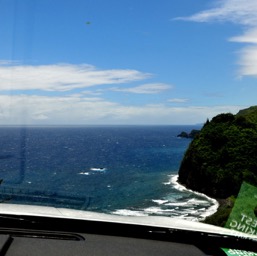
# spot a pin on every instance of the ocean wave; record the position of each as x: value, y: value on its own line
x: 126, y: 212
x: 183, y: 203
x: 188, y: 214
x: 214, y: 203
x: 177, y: 204
x: 160, y: 201
x: 180, y: 202
x: 96, y: 169
x: 84, y: 173
x: 158, y: 210
x: 189, y: 203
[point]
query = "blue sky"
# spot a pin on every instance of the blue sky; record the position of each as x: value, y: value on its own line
x: 126, y: 61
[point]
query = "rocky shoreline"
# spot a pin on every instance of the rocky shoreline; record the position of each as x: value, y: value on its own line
x: 219, y: 218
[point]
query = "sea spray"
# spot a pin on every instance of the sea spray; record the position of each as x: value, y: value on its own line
x: 214, y: 203
x: 180, y: 203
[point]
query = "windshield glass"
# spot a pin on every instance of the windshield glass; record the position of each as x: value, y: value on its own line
x: 132, y: 107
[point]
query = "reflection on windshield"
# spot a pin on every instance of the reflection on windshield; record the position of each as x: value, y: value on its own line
x: 120, y: 170
x: 103, y: 106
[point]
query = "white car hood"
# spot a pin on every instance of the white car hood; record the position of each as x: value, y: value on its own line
x: 153, y: 221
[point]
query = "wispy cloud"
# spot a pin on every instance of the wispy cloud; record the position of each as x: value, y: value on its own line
x: 178, y: 100
x: 250, y: 36
x: 214, y: 94
x: 236, y: 11
x: 75, y: 109
x: 62, y: 77
x: 248, y: 61
x: 152, y: 88
x: 25, y: 105
x: 239, y: 12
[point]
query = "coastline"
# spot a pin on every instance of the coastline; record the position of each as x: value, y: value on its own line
x: 211, y: 210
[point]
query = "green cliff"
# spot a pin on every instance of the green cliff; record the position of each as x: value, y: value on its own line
x: 222, y: 155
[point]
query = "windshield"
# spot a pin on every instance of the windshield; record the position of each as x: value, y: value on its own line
x: 130, y: 108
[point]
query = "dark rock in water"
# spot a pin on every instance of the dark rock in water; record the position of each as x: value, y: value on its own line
x: 183, y: 135
x: 190, y: 135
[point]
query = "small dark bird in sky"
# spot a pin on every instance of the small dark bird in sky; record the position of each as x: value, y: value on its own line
x: 88, y: 23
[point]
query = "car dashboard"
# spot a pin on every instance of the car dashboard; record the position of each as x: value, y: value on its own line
x: 30, y: 232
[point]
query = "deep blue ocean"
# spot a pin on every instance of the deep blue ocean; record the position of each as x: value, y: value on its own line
x: 126, y: 170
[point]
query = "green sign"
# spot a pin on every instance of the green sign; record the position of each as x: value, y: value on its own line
x: 243, y: 217
x: 233, y: 252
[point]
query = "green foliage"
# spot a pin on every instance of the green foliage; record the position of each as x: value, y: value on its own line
x: 223, y: 155
x: 249, y: 114
x: 223, y: 118
x: 183, y: 135
x: 220, y: 217
x: 194, y: 133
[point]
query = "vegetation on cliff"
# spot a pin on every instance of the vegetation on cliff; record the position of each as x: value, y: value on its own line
x: 221, y: 157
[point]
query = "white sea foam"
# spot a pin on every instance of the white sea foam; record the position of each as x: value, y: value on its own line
x: 196, y: 201
x: 84, y: 173
x: 98, y: 169
x: 93, y: 170
x: 178, y: 205
x: 125, y: 212
x: 189, y: 213
x: 160, y: 201
x: 158, y: 210
x: 211, y: 210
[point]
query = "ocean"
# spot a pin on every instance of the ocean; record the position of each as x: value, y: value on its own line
x: 124, y: 170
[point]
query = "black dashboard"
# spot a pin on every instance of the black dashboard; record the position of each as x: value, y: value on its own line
x: 37, y: 235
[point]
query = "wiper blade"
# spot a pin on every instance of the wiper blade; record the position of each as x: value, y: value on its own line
x: 41, y: 234
x: 16, y: 218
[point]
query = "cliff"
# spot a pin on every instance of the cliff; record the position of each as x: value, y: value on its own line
x: 222, y: 155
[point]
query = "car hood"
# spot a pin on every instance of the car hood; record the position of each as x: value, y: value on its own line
x: 153, y: 221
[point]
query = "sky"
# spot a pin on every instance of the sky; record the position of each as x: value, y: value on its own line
x: 126, y: 62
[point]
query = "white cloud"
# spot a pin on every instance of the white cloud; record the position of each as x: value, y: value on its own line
x: 240, y: 12
x: 33, y: 109
x: 248, y: 61
x: 177, y: 100
x: 62, y: 77
x: 29, y: 109
x: 250, y: 36
x: 144, y: 89
x: 236, y: 11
